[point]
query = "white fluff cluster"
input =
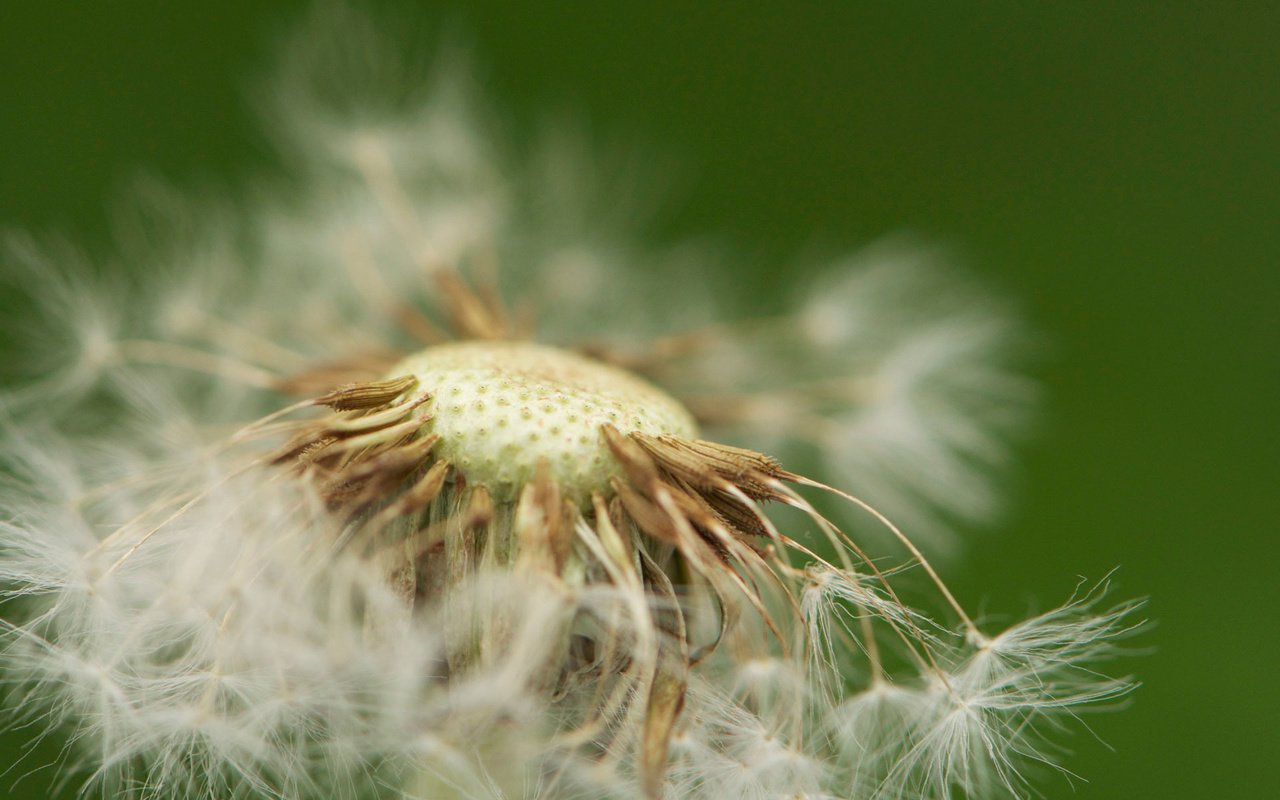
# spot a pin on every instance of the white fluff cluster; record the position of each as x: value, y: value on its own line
x: 181, y: 612
x: 907, y: 391
x: 215, y: 645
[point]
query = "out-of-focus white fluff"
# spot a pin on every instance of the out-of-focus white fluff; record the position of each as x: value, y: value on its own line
x: 903, y: 380
x: 228, y: 651
x: 225, y: 649
x: 393, y: 169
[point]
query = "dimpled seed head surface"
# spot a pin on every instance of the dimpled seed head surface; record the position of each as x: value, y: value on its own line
x: 499, y: 407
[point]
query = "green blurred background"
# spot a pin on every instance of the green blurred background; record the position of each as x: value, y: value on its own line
x: 1114, y: 167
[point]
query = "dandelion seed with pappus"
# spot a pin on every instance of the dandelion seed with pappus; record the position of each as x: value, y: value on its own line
x: 365, y: 491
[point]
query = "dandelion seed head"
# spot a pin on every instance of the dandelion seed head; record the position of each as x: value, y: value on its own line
x: 314, y: 513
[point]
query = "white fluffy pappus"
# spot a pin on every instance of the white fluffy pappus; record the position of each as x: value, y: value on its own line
x: 260, y: 534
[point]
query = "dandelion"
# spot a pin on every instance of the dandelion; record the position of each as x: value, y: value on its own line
x: 332, y: 504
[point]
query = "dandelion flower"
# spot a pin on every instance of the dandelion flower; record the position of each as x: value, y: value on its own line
x: 332, y: 503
